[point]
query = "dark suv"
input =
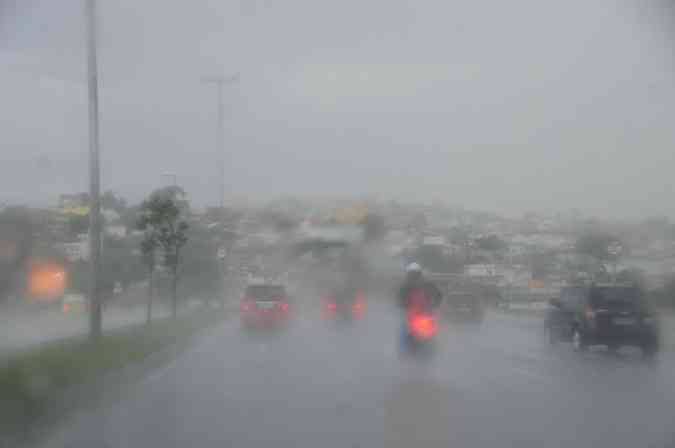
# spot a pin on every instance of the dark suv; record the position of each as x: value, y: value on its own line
x: 602, y: 315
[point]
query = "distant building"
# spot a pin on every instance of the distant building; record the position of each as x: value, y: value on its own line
x: 76, y: 250
x: 480, y: 270
x: 74, y: 204
x: 433, y: 241
x: 74, y: 200
x: 116, y: 231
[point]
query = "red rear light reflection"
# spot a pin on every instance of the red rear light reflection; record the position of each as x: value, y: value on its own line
x: 422, y: 326
x: 329, y: 308
x: 358, y: 308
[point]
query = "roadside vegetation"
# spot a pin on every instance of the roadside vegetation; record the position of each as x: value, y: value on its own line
x: 38, y: 385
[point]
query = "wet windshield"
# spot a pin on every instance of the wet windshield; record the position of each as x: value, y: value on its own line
x: 337, y: 223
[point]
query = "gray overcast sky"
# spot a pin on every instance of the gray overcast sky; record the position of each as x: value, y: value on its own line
x: 508, y: 106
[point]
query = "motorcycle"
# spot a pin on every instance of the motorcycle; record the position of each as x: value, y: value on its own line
x: 419, y: 332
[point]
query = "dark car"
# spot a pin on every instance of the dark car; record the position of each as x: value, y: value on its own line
x: 463, y: 307
x: 265, y: 305
x: 608, y: 315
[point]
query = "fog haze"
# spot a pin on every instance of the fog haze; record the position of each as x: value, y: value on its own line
x: 530, y: 105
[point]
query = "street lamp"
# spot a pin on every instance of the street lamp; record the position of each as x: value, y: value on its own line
x: 219, y: 82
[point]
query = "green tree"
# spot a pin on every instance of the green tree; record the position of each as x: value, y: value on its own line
x: 162, y: 217
x: 119, y: 262
x: 149, y: 245
x: 491, y: 243
x: 201, y: 271
x: 111, y: 201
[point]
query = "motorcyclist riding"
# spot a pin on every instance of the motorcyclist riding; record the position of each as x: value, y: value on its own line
x: 417, y: 298
x: 417, y: 291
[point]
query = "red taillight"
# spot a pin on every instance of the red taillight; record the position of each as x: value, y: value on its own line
x: 283, y: 306
x: 66, y: 307
x: 247, y: 305
x: 422, y: 326
x: 358, y: 307
x: 329, y: 308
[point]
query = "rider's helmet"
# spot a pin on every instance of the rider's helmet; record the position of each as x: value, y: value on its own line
x: 413, y: 271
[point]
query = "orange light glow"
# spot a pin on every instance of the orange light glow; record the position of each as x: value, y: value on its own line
x: 46, y: 281
x: 422, y: 326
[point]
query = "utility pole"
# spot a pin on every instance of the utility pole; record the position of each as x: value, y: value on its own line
x: 219, y: 82
x: 95, y: 316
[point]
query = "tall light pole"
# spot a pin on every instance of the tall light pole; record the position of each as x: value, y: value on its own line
x: 219, y: 82
x: 95, y: 316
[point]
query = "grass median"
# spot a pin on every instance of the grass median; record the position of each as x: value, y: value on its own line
x: 39, y: 381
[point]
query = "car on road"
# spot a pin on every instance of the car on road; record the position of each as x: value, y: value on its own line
x: 610, y: 315
x: 345, y: 304
x: 265, y: 305
x: 462, y: 307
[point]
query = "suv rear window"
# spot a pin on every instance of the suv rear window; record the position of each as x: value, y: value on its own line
x: 265, y: 292
x: 573, y: 297
x: 613, y: 297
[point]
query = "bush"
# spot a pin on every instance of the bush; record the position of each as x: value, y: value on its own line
x: 33, y: 382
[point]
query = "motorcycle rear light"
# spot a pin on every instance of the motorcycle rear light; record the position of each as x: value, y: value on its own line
x: 423, y: 326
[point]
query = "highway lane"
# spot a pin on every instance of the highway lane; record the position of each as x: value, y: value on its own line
x: 345, y: 386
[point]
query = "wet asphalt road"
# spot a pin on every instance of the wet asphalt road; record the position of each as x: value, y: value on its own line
x: 322, y: 385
